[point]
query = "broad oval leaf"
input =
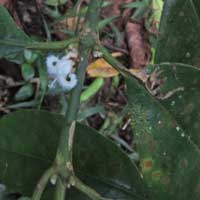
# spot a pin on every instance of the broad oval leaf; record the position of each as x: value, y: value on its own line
x: 179, y: 33
x: 167, y: 130
x: 12, y: 38
x: 28, y: 141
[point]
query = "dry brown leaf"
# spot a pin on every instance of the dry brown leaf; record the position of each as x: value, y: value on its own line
x: 71, y: 23
x: 138, y: 45
x: 115, y: 10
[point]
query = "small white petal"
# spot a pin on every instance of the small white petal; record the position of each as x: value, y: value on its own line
x: 64, y: 67
x: 51, y: 63
x: 68, y: 84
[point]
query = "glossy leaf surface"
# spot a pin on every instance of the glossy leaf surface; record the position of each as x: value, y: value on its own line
x: 167, y: 130
x: 179, y: 33
x: 28, y: 141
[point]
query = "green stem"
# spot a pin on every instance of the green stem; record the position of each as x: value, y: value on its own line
x: 60, y: 190
x: 91, y: 193
x: 115, y: 63
x: 92, y: 89
x: 40, y: 45
x: 75, y: 96
x: 51, y: 45
x: 64, y: 152
x: 42, y: 184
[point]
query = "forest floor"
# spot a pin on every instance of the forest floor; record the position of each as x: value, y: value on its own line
x: 126, y: 31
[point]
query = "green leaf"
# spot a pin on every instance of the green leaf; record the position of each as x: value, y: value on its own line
x: 26, y: 104
x: 179, y: 33
x: 167, y: 130
x: 30, y: 56
x: 87, y: 112
x: 24, y: 92
x: 55, y: 2
x: 28, y: 141
x: 105, y: 22
x: 27, y: 71
x: 137, y: 4
x: 24, y: 198
x: 12, y: 38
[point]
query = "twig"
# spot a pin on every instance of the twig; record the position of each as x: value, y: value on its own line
x: 64, y: 152
x: 111, y: 47
x: 77, y: 183
x: 115, y: 63
x: 51, y: 45
x: 42, y: 183
x: 40, y: 45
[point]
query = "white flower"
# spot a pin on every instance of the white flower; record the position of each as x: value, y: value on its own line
x: 64, y: 67
x: 51, y: 63
x: 68, y: 83
x: 60, y: 71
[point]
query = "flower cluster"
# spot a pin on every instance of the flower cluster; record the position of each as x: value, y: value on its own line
x: 60, y: 69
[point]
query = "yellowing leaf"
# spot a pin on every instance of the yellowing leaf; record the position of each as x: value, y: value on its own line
x: 101, y: 68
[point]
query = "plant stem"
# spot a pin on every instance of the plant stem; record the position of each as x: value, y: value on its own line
x: 51, y: 45
x: 115, y: 63
x: 77, y: 183
x: 60, y: 190
x: 42, y: 183
x: 64, y: 152
x: 40, y: 45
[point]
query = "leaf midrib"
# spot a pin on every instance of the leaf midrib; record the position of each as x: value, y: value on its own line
x: 26, y: 155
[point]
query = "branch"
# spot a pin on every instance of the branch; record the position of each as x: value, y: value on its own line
x: 39, y: 45
x: 87, y: 42
x: 42, y: 183
x: 91, y: 193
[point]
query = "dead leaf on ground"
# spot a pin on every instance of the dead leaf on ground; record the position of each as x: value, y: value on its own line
x: 138, y: 45
x: 101, y: 68
x: 136, y: 35
x: 115, y: 10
